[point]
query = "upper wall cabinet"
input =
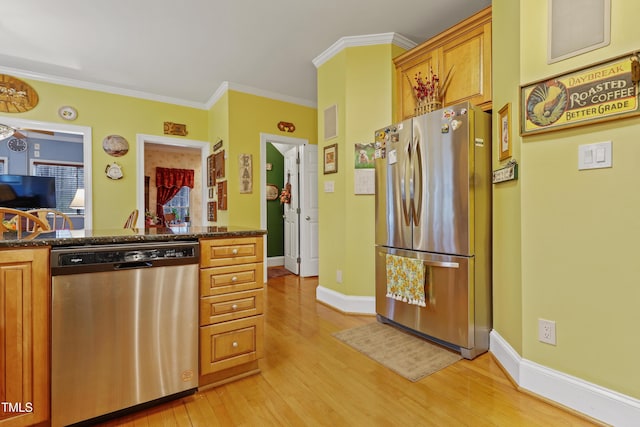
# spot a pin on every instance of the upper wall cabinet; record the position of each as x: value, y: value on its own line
x: 464, y: 51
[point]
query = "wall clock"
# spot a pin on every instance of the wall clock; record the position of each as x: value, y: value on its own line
x: 17, y: 144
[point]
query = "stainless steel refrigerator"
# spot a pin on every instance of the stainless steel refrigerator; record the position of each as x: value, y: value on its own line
x: 433, y: 227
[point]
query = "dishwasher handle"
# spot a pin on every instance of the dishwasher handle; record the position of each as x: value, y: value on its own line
x: 132, y: 265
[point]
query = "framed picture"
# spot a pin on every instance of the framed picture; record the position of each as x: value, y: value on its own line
x: 331, y: 159
x: 219, y: 164
x: 222, y: 195
x: 211, y: 171
x: 212, y: 211
x: 504, y: 129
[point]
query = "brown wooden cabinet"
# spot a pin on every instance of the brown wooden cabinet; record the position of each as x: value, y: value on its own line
x: 24, y: 336
x: 231, y: 309
x: 465, y: 50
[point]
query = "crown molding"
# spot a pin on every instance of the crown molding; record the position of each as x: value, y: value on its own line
x: 226, y: 86
x: 367, y: 40
x: 99, y: 87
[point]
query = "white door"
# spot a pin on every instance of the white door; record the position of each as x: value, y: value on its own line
x: 309, y: 211
x: 291, y: 212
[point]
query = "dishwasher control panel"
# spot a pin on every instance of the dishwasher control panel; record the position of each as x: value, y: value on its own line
x: 92, y: 257
x: 123, y: 256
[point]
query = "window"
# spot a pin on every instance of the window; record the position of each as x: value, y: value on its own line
x: 179, y: 203
x: 69, y: 177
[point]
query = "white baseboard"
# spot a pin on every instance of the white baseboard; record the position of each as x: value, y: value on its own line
x: 275, y: 261
x: 346, y: 303
x: 590, y: 399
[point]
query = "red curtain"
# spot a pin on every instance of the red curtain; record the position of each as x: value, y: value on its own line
x: 169, y: 182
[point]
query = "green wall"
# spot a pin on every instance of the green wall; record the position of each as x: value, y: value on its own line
x: 275, y: 210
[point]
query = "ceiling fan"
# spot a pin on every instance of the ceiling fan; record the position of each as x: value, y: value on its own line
x: 7, y: 131
x: 18, y: 133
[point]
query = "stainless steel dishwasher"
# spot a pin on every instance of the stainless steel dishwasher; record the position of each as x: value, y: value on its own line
x: 124, y: 327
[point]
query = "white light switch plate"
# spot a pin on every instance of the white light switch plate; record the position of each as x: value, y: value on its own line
x: 594, y: 156
x: 328, y: 186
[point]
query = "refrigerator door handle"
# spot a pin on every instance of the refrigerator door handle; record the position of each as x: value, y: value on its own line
x: 406, y: 186
x: 417, y: 183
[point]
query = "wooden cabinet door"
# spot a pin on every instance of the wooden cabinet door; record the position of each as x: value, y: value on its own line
x: 24, y: 336
x: 464, y: 50
x: 469, y: 59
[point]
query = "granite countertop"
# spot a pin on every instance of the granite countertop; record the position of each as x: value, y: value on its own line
x: 125, y: 235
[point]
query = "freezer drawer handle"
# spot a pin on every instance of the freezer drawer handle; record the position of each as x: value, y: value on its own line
x: 442, y: 264
x: 445, y: 264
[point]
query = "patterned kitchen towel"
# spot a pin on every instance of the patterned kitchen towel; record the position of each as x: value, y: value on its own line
x: 405, y: 279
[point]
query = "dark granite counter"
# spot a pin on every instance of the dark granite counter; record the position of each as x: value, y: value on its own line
x: 104, y: 237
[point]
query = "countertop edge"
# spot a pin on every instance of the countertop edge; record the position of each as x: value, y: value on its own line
x: 156, y: 236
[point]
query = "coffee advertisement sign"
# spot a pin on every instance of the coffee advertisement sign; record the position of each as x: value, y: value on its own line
x: 604, y: 91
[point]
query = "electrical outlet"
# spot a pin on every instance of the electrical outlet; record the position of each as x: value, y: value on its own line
x: 547, y: 331
x: 338, y: 276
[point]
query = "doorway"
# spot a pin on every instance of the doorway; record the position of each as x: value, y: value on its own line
x: 171, y: 143
x: 85, y: 132
x: 301, y: 216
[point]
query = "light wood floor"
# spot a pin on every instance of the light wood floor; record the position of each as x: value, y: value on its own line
x: 309, y: 378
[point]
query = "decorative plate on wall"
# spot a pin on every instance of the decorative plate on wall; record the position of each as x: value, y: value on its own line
x: 113, y: 171
x: 272, y: 192
x: 16, y: 96
x: 68, y: 113
x: 115, y: 145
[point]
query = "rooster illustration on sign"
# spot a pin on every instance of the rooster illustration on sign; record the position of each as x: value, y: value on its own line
x: 547, y: 102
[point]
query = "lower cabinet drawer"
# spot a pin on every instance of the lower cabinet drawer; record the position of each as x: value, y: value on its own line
x: 222, y: 308
x: 232, y: 343
x: 222, y: 280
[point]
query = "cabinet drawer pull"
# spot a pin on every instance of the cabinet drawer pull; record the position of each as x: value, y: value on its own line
x: 234, y: 279
x: 235, y: 344
x: 234, y: 251
x: 234, y: 307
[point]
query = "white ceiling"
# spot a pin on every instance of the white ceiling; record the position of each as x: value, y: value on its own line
x: 183, y: 51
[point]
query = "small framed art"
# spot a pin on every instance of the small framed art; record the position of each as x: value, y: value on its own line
x: 504, y: 130
x: 331, y: 159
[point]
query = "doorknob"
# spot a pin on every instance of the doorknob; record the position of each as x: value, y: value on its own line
x: 307, y: 218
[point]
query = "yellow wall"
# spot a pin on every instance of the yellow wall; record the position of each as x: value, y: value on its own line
x: 507, y: 268
x: 249, y: 116
x: 362, y: 88
x: 332, y: 226
x: 108, y: 114
x: 580, y: 228
x: 219, y: 129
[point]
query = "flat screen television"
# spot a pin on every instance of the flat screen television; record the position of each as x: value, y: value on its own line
x: 27, y: 192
